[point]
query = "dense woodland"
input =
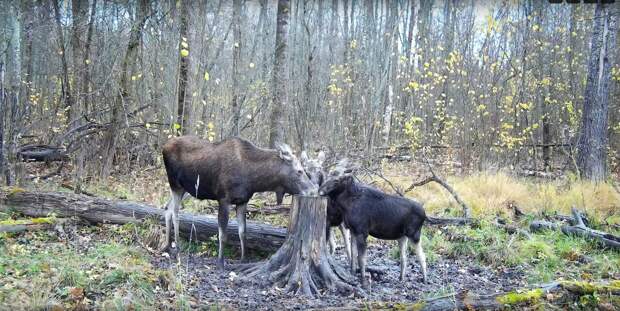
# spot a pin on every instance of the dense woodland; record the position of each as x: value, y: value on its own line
x: 486, y: 134
x: 483, y: 84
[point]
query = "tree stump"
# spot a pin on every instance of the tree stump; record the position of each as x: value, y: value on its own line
x: 303, y: 265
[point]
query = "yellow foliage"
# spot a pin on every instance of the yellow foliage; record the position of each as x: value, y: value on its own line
x: 184, y: 53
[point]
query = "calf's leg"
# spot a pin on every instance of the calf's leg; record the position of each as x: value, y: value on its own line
x: 353, y: 255
x: 346, y: 236
x: 421, y: 257
x: 402, y: 242
x: 329, y: 239
x: 360, y: 240
x: 222, y: 224
x: 241, y: 208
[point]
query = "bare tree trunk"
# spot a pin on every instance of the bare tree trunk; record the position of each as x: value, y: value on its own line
x: 236, y: 105
x: 303, y: 264
x: 2, y: 118
x: 279, y: 101
x: 66, y: 86
x: 123, y: 93
x: 27, y: 11
x: 592, y: 147
x: 184, y: 105
x: 78, y: 11
x: 86, y: 60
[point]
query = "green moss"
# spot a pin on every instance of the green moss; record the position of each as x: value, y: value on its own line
x: 39, y: 220
x: 514, y: 298
x: 14, y: 190
x: 418, y: 306
x: 588, y: 288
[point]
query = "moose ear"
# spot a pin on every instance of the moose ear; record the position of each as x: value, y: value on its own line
x: 285, y: 152
x: 321, y: 157
x: 303, y: 157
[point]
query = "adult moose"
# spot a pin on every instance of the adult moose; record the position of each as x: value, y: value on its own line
x: 368, y: 211
x: 229, y: 171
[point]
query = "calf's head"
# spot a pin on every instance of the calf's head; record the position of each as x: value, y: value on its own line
x: 336, y: 185
x: 314, y: 167
x: 292, y: 174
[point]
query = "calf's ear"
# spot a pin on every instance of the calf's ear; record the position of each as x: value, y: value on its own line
x: 321, y: 157
x: 303, y: 157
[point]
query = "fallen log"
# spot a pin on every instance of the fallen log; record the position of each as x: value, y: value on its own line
x: 42, y: 153
x: 580, y: 229
x: 562, y: 291
x: 451, y: 221
x: 99, y: 210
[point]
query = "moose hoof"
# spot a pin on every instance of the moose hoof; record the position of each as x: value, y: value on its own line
x: 220, y: 265
x: 365, y: 285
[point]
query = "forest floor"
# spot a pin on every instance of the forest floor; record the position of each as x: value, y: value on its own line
x: 106, y: 267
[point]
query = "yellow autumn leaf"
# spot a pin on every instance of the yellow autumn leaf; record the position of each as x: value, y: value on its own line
x: 206, y: 76
x: 184, y: 53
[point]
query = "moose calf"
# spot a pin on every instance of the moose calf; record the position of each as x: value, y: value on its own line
x: 369, y: 211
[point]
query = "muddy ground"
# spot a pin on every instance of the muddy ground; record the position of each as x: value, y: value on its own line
x: 446, y: 276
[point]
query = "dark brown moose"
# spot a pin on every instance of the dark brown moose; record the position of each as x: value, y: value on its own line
x: 368, y: 211
x: 229, y: 171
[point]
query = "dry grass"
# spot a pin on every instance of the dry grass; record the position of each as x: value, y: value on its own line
x: 488, y: 194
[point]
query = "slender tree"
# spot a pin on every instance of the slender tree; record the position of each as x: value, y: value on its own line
x: 592, y: 146
x: 236, y: 74
x: 279, y: 80
x: 183, y: 102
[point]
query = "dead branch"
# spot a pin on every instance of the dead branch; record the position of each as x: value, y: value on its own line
x: 578, y: 228
x: 437, y: 179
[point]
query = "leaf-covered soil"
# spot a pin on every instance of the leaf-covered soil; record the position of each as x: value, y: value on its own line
x: 446, y: 277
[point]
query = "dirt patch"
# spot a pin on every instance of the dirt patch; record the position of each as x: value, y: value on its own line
x: 446, y: 276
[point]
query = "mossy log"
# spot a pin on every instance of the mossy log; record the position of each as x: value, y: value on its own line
x: 506, y: 300
x: 100, y: 210
x: 303, y: 264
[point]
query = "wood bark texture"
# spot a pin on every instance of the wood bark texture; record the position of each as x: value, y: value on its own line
x: 99, y: 210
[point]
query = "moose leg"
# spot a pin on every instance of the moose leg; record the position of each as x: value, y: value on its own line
x: 332, y: 241
x: 172, y: 216
x: 328, y: 238
x: 241, y: 208
x: 222, y: 223
x: 346, y: 236
x: 353, y: 255
x: 402, y: 243
x: 360, y: 240
x: 279, y: 197
x: 421, y: 257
